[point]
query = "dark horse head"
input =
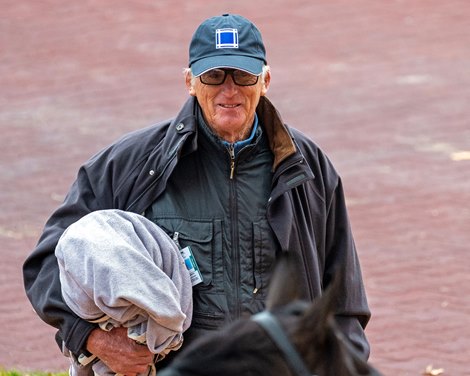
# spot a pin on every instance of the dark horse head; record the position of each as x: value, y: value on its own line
x: 290, y: 338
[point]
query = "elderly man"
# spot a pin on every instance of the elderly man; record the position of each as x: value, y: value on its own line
x: 226, y: 178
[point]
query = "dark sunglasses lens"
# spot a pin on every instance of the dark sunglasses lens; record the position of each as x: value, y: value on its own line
x: 217, y: 77
x: 213, y: 77
x: 243, y: 78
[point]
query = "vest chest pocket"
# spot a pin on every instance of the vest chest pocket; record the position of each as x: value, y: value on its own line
x: 205, y: 240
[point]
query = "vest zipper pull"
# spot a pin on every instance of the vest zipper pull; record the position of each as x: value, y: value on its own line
x: 231, y: 150
x: 176, y: 234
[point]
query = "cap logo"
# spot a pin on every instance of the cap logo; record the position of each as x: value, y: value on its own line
x: 226, y: 38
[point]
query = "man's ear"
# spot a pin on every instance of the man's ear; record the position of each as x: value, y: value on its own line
x: 189, y: 84
x: 267, y: 81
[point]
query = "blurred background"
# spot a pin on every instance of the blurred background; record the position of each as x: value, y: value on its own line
x: 383, y: 87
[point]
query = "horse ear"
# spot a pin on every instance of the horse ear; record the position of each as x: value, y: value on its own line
x: 324, y: 308
x: 283, y: 287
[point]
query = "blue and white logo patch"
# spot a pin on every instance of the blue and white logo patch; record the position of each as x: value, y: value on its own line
x: 226, y: 38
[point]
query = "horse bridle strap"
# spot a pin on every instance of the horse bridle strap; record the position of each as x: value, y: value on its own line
x: 271, y: 325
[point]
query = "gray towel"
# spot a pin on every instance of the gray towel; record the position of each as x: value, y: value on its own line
x: 120, y: 269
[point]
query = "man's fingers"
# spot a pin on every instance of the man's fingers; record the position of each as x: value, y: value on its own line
x: 120, y: 353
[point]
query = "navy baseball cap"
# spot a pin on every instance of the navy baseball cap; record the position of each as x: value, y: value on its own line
x: 227, y: 41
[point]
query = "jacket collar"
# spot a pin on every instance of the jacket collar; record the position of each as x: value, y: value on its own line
x: 279, y: 137
x: 181, y: 139
x: 280, y: 140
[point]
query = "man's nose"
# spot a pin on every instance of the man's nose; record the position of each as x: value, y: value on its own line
x: 229, y: 85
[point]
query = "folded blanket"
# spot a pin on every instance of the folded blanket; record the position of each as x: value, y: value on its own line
x: 119, y: 269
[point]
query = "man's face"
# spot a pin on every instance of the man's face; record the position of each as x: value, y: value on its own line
x: 228, y: 109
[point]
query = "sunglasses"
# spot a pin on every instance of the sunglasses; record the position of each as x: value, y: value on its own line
x: 218, y: 76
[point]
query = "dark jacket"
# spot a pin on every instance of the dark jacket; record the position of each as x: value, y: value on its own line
x: 306, y: 211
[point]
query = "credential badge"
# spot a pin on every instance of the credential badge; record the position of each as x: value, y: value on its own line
x: 226, y: 38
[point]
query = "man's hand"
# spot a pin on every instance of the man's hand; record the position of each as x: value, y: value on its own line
x: 120, y: 353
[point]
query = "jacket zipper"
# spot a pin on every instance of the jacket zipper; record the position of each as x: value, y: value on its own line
x: 234, y: 230
x: 255, y: 279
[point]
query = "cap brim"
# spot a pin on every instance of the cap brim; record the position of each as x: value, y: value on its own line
x: 245, y: 63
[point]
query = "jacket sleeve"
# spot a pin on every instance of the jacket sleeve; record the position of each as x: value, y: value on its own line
x: 341, y: 257
x: 109, y: 180
x: 335, y: 249
x: 41, y: 272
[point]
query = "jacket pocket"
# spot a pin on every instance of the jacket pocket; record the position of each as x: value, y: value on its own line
x: 207, y: 321
x: 202, y: 238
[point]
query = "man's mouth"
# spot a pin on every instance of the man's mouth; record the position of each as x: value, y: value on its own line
x: 228, y: 105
